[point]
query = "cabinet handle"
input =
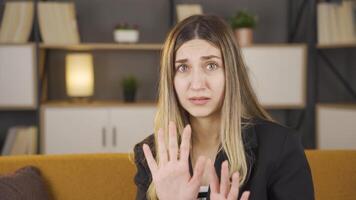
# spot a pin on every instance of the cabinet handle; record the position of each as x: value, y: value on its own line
x: 114, y: 137
x: 103, y: 134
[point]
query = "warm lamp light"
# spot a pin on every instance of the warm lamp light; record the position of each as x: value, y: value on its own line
x: 79, y: 75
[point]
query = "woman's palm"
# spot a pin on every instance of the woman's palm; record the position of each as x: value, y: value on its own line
x: 171, y: 177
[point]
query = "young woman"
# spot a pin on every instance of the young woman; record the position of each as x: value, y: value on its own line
x: 212, y: 139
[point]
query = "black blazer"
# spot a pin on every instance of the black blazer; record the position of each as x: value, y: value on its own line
x: 277, y: 165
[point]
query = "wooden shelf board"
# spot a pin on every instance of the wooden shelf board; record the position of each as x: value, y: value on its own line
x: 336, y: 46
x: 139, y: 46
x: 16, y: 44
x: 272, y: 45
x: 103, y: 46
x: 282, y: 107
x: 338, y: 105
x: 70, y: 103
x: 18, y: 108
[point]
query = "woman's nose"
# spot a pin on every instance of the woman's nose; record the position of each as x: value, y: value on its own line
x: 197, y: 80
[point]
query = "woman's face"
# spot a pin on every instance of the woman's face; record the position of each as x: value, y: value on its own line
x: 199, y: 79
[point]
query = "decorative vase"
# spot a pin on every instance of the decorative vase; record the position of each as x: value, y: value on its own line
x: 126, y: 35
x: 244, y: 36
x: 129, y: 95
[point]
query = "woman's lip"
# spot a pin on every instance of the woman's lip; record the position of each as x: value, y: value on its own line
x: 199, y: 101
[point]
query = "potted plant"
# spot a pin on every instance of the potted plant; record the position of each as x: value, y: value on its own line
x: 129, y: 85
x: 124, y: 33
x: 243, y: 24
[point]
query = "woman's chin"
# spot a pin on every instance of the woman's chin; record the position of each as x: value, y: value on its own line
x: 200, y: 113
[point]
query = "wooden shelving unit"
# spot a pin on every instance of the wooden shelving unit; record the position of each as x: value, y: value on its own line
x: 138, y: 46
x: 335, y: 46
x: 95, y: 103
x: 102, y: 46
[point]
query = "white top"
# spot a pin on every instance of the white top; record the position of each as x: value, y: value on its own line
x: 203, y: 192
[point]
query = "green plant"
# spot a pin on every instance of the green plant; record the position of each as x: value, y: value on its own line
x: 129, y: 83
x: 243, y: 19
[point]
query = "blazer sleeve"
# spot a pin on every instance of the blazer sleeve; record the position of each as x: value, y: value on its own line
x: 292, y: 177
x: 142, y: 177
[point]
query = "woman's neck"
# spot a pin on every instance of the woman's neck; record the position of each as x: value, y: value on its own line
x: 206, y: 131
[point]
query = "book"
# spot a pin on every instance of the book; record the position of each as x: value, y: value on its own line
x: 187, y: 10
x: 17, y: 22
x: 9, y: 140
x: 58, y: 24
x: 336, y: 22
x: 20, y: 140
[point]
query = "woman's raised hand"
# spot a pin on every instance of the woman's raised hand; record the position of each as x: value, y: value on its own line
x: 171, y: 177
x: 225, y: 190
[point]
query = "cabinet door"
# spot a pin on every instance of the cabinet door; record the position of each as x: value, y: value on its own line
x: 129, y: 125
x: 17, y: 77
x: 75, y: 130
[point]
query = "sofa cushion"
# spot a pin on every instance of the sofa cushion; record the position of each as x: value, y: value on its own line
x: 24, y: 184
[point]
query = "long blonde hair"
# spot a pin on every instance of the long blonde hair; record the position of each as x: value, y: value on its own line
x: 239, y: 100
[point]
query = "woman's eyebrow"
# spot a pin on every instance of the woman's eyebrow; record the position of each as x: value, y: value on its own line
x: 209, y: 57
x: 202, y: 58
x: 182, y: 61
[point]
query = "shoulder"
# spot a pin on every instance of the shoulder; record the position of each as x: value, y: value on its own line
x: 272, y: 133
x: 277, y: 143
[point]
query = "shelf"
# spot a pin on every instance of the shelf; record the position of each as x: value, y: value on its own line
x: 348, y: 105
x: 72, y: 103
x: 17, y: 44
x: 335, y: 46
x: 107, y: 103
x: 103, y: 46
x: 17, y: 108
x: 142, y: 46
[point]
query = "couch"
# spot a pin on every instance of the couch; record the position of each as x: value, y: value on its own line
x: 110, y: 176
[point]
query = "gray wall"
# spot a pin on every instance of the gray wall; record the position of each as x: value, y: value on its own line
x: 96, y: 19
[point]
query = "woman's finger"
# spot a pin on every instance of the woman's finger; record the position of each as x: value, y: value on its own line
x: 198, y: 171
x: 224, y: 180
x: 213, y: 178
x: 150, y: 160
x: 185, y: 145
x: 163, y: 158
x: 234, y: 190
x: 173, y: 145
x: 245, y: 195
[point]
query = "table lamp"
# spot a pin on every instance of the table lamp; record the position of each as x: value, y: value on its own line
x: 79, y: 75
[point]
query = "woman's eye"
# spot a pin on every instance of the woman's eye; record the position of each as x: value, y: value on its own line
x: 182, y: 68
x: 212, y: 66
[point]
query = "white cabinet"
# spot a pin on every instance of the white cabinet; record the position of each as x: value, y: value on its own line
x: 131, y: 124
x: 18, y: 79
x: 68, y: 130
x: 278, y: 74
x: 335, y: 126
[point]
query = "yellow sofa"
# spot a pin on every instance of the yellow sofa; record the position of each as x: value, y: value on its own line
x: 110, y: 176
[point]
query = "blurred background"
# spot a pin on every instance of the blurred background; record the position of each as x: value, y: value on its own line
x: 82, y: 76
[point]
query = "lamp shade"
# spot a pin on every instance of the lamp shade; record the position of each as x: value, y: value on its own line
x: 79, y: 75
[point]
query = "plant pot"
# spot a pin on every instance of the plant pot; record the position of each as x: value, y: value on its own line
x: 126, y: 36
x: 244, y: 36
x: 129, y: 95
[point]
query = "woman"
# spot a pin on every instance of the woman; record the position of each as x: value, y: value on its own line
x: 213, y: 140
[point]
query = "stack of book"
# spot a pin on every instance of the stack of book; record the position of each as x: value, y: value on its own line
x: 58, y: 24
x: 17, y: 22
x: 336, y: 22
x: 20, y: 140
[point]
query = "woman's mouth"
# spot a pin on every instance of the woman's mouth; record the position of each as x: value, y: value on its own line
x: 199, y: 100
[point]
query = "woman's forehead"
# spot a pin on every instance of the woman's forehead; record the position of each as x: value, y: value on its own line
x: 197, y: 47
